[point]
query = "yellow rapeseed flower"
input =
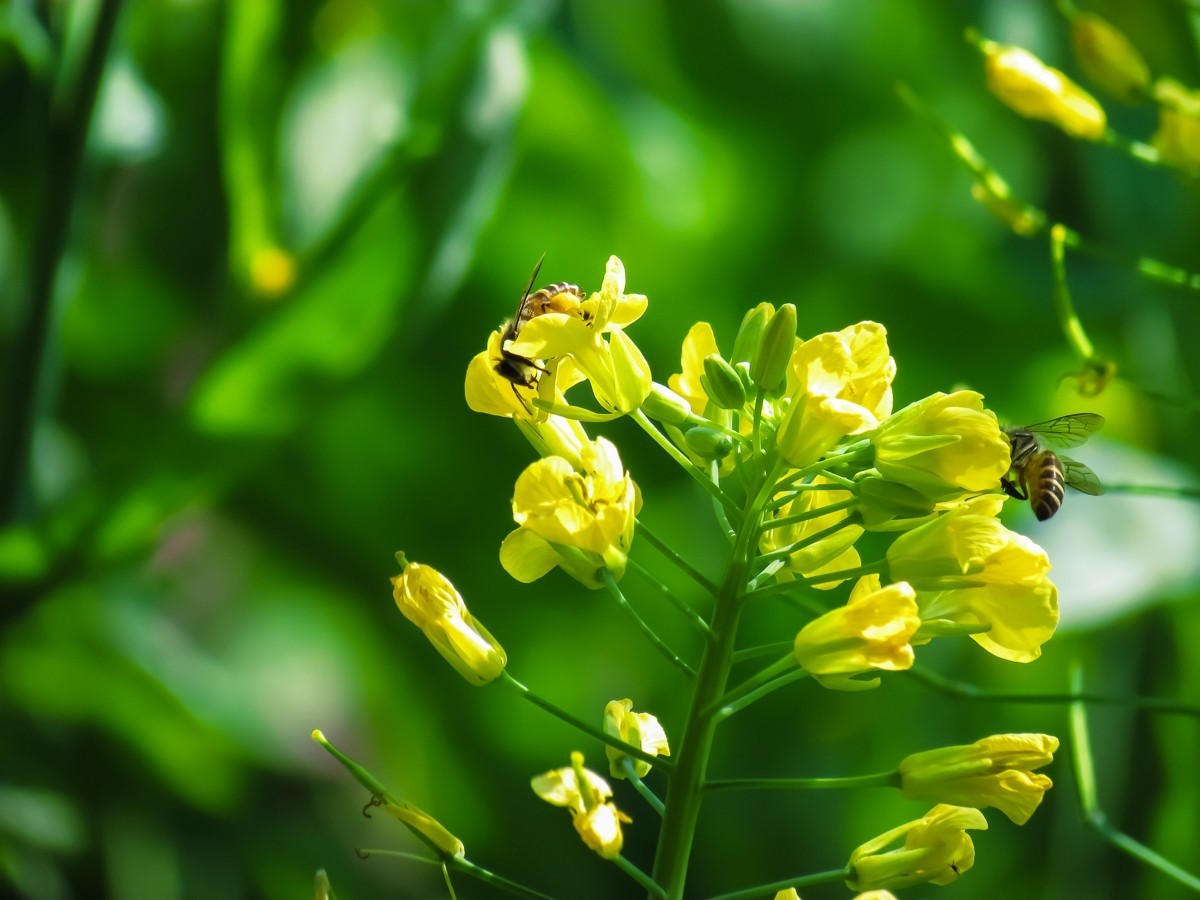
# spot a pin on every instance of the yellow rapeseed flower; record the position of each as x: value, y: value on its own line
x: 996, y: 771
x: 937, y: 850
x: 943, y: 445
x: 969, y: 569
x: 832, y: 553
x: 585, y: 794
x: 638, y: 729
x: 616, y: 369
x: 871, y: 632
x: 1029, y: 87
x: 700, y: 342
x: 838, y: 383
x: 430, y: 601
x: 579, y: 519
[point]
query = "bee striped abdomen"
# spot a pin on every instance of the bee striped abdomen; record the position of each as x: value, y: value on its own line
x: 560, y: 297
x: 1046, y: 484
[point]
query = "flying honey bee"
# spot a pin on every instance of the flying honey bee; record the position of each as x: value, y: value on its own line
x: 1039, y: 475
x: 561, y: 297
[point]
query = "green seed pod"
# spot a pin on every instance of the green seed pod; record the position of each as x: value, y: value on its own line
x: 1109, y: 59
x: 722, y: 383
x: 664, y: 405
x: 749, y: 335
x: 768, y: 368
x: 708, y: 442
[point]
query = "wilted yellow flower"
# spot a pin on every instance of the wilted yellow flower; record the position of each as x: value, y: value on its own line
x: 1108, y: 57
x: 429, y: 601
x: 1178, y: 137
x: 872, y: 631
x: 699, y: 343
x: 638, y: 729
x: 995, y: 771
x: 832, y: 553
x: 585, y: 794
x: 1031, y: 88
x: 838, y: 384
x: 937, y: 850
x: 943, y: 445
x: 581, y: 520
x: 969, y: 569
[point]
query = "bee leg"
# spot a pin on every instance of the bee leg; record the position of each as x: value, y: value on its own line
x: 521, y: 399
x: 1012, y: 490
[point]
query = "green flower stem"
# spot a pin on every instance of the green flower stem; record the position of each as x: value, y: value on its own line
x: 767, y: 890
x: 676, y: 454
x: 680, y: 563
x: 1085, y: 780
x: 690, y: 614
x: 68, y: 118
x: 963, y: 690
x: 662, y: 763
x: 467, y: 868
x: 670, y: 655
x: 640, y: 786
x: 1067, y: 317
x: 812, y: 513
x: 734, y: 706
x: 877, y: 779
x: 648, y: 884
x: 1175, y: 492
x: 714, y: 472
x: 684, y: 793
x: 776, y: 649
x: 759, y: 398
x: 497, y: 881
x: 808, y: 541
x: 841, y: 575
x: 1038, y: 221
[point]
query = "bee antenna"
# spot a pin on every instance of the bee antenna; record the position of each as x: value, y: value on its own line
x: 532, y: 278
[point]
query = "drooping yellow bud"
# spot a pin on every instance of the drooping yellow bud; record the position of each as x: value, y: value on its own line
x: 1026, y: 85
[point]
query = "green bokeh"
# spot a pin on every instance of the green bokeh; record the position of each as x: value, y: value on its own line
x: 196, y: 576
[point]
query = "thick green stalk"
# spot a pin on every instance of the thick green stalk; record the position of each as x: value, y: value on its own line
x: 685, y: 791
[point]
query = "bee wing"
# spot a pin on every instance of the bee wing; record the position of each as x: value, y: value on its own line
x: 521, y: 317
x: 1080, y: 477
x: 1066, y: 432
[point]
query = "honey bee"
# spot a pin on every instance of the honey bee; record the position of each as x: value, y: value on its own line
x: 518, y: 370
x: 1039, y: 475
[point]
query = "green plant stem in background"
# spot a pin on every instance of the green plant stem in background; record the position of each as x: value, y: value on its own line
x: 648, y: 884
x: 967, y: 691
x: 68, y: 120
x: 590, y: 730
x: 877, y: 779
x: 1068, y: 318
x: 1085, y: 781
x: 1173, y: 492
x: 467, y: 868
x: 640, y: 623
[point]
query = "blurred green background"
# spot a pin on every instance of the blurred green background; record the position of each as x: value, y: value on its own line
x: 294, y: 224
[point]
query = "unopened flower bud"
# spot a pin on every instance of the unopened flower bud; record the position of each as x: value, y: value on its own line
x: 881, y: 502
x: 722, y: 384
x: 1026, y: 85
x: 768, y: 368
x: 707, y: 442
x: 1109, y: 59
x: 664, y: 405
x: 750, y: 334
